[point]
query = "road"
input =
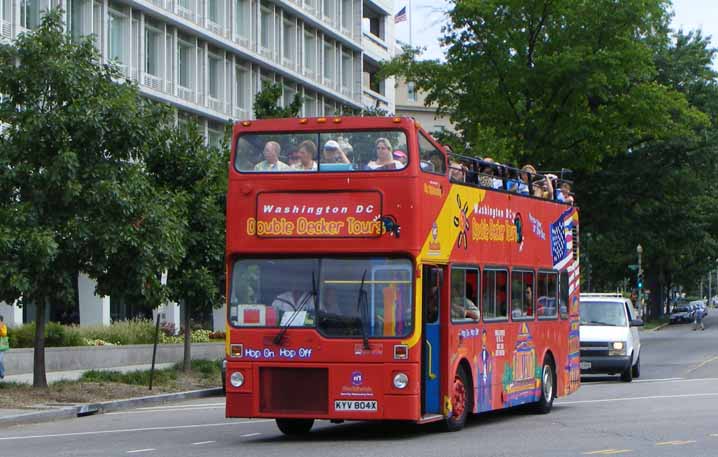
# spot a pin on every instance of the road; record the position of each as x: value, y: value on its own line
x: 672, y: 410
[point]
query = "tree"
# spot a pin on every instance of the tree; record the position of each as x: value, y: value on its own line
x: 197, y: 175
x: 266, y: 103
x: 552, y: 82
x: 74, y: 194
x: 661, y: 195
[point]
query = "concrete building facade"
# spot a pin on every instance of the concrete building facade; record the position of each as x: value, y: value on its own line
x: 411, y: 102
x: 209, y: 58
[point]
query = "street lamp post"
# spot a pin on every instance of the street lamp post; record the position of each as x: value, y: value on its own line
x: 639, y: 281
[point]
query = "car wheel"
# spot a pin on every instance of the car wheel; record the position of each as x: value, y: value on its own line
x: 295, y: 426
x: 461, y: 401
x: 548, y: 388
x: 636, y: 371
x: 627, y: 374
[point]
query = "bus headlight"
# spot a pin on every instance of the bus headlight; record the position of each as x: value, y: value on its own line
x: 237, y: 379
x: 617, y: 348
x: 401, y: 380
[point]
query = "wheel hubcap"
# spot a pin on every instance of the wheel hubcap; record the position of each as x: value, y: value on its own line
x: 458, y: 397
x: 547, y: 383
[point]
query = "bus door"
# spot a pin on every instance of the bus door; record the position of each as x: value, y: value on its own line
x: 432, y: 286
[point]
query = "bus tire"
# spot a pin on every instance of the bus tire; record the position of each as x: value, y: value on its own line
x: 548, y: 388
x: 295, y: 426
x: 461, y: 401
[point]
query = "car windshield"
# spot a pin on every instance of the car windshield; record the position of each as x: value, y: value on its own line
x: 603, y: 313
x: 341, y: 297
x: 338, y: 151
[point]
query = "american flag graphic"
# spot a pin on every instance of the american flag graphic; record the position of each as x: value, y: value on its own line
x: 562, y: 247
x: 400, y: 16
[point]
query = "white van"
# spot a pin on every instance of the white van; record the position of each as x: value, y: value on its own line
x: 609, y: 336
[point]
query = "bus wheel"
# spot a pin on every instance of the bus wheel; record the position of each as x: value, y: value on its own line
x: 295, y: 426
x: 548, y: 388
x: 460, y: 401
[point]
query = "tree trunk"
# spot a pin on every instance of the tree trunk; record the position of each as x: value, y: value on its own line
x: 187, y: 365
x: 39, y: 379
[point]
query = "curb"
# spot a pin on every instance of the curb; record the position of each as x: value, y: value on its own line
x: 655, y: 329
x: 106, y: 406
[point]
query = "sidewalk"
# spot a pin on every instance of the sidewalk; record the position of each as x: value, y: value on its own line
x: 45, y: 413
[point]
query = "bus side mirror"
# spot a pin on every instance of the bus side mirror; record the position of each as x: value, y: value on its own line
x: 637, y: 323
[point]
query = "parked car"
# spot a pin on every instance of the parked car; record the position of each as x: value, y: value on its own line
x: 682, y: 313
x: 609, y: 337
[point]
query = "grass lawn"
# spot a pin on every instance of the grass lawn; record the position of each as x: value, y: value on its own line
x: 97, y: 386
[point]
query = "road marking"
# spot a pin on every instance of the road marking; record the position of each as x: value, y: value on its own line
x: 181, y: 406
x: 675, y: 443
x: 137, y: 451
x: 607, y: 452
x: 203, y: 442
x: 652, y: 397
x: 702, y: 364
x: 203, y: 408
x: 659, y: 380
x: 250, y: 434
x: 131, y: 430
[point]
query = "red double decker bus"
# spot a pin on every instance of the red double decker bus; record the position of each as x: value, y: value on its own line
x: 365, y: 284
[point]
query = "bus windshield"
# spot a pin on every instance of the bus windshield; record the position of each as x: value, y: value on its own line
x: 340, y: 297
x: 321, y: 152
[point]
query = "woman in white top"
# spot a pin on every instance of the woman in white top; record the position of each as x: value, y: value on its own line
x: 306, y: 151
x: 384, y: 157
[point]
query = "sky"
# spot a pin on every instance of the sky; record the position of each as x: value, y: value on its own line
x: 429, y: 16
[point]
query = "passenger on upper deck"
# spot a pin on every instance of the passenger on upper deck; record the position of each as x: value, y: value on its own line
x: 543, y: 188
x: 333, y: 153
x: 271, y: 160
x: 487, y: 177
x: 457, y: 171
x: 563, y: 193
x: 306, y: 153
x: 384, y: 158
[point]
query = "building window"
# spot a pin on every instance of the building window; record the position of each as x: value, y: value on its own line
x: 347, y: 15
x: 215, y: 76
x: 185, y: 64
x: 311, y: 4
x: 242, y: 18
x: 153, y: 51
x: 371, y: 78
x: 78, y: 17
x: 289, y: 46
x: 244, y: 85
x: 411, y: 91
x: 213, y: 13
x: 289, y: 93
x: 310, y: 104
x: 329, y: 61
x: 373, y: 23
x: 347, y: 71
x: 310, y: 53
x: 267, y: 30
x: 31, y: 12
x: 329, y: 10
x: 214, y: 135
x: 118, y: 36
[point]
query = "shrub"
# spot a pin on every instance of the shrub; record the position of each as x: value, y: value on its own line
x: 56, y: 335
x: 134, y: 331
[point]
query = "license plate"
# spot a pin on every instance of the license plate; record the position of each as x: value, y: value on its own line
x: 585, y: 365
x: 355, y: 405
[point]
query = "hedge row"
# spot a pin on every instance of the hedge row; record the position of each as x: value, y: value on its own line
x: 119, y: 333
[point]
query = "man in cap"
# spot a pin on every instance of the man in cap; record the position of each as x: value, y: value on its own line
x: 332, y: 153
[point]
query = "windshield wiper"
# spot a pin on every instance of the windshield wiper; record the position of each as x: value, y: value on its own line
x: 278, y: 339
x: 363, y: 308
x: 598, y: 323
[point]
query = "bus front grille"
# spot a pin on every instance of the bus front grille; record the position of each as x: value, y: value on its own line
x: 293, y: 390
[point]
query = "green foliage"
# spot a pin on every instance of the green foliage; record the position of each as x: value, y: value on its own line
x: 553, y: 82
x: 74, y: 194
x: 266, y: 103
x: 56, y: 335
x: 135, y: 331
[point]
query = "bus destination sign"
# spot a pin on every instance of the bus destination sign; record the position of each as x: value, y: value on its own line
x: 317, y: 215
